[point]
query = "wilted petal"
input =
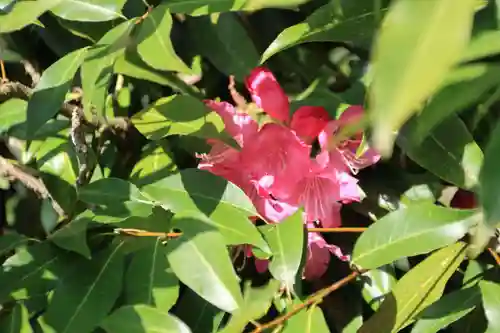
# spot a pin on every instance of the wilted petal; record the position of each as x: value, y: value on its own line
x: 309, y: 121
x: 267, y: 93
x: 238, y: 124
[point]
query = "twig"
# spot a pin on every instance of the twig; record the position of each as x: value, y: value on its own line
x: 336, y: 229
x: 315, y: 298
x: 235, y: 95
x: 15, y: 89
x: 78, y: 139
x: 495, y: 256
x: 32, y: 72
x: 7, y: 169
x: 2, y: 68
x: 143, y: 233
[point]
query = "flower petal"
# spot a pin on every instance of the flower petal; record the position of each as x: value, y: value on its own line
x: 267, y: 93
x: 309, y: 121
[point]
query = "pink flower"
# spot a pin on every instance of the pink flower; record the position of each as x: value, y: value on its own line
x: 309, y: 121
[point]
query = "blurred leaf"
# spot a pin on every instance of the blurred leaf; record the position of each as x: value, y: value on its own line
x: 10, y: 241
x: 200, y: 260
x: 149, y: 280
x: 89, y: 10
x: 17, y: 321
x: 83, y: 299
x: 225, y: 43
x: 490, y: 291
x: 50, y: 92
x: 193, y: 190
x: 23, y: 13
x: 353, y: 22
x: 447, y: 310
x: 418, y: 288
x: 73, y: 236
x: 286, y: 241
x: 253, y: 5
x: 156, y: 163
x: 178, y: 114
x: 97, y: 67
x: 143, y: 319
x: 408, y: 231
x: 203, y: 7
x: 489, y: 180
x: 450, y: 143
x: 311, y: 320
x: 153, y: 41
x: 463, y: 87
x: 111, y: 191
x: 12, y: 112
x: 9, y: 55
x: 377, y: 283
x: 200, y: 315
x: 482, y: 45
x: 403, y: 80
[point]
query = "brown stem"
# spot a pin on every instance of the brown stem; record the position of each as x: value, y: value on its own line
x: 495, y: 256
x: 2, y: 68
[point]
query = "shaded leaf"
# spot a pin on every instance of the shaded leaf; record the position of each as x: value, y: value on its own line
x: 23, y: 13
x: 50, y: 92
x: 17, y: 321
x: 200, y: 315
x: 200, y: 260
x: 489, y: 180
x: 193, y: 190
x: 11, y: 241
x: 89, y: 10
x: 447, y: 310
x: 84, y: 298
x: 111, y: 191
x: 153, y: 41
x: 403, y: 80
x: 203, y: 7
x: 178, y: 114
x: 73, y: 236
x: 12, y: 112
x: 118, y: 212
x: 309, y: 321
x: 408, y: 231
x: 482, y: 45
x: 156, y: 163
x: 286, y: 241
x: 490, y: 293
x: 377, y: 283
x: 450, y: 143
x: 418, y: 288
x: 143, y: 319
x: 149, y: 280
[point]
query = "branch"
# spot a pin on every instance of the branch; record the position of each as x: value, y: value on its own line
x: 33, y: 73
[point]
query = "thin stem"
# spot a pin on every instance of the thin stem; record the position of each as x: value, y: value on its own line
x: 2, y: 68
x: 315, y: 298
x: 495, y: 256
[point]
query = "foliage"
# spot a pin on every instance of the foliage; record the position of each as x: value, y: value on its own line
x: 134, y: 200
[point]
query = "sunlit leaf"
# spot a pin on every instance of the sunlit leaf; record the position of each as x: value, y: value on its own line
x: 17, y: 321
x: 24, y: 13
x: 12, y: 112
x: 89, y: 10
x: 73, y: 236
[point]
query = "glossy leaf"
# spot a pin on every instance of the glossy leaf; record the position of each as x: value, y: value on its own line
x: 286, y: 241
x: 149, y: 280
x: 489, y: 180
x: 225, y: 43
x: 50, y: 92
x: 24, y: 13
x: 12, y: 112
x: 143, y: 318
x: 490, y: 291
x: 417, y: 289
x: 57, y: 157
x: 463, y: 87
x: 111, y: 191
x: 450, y: 143
x: 169, y: 116
x: 157, y: 163
x: 403, y: 80
x: 377, y: 283
x: 83, y: 299
x: 447, y: 310
x: 153, y: 41
x: 311, y: 320
x: 200, y: 260
x: 415, y: 229
x: 73, y: 236
x: 17, y: 321
x: 193, y: 190
x: 97, y: 67
x: 89, y: 10
x: 203, y: 7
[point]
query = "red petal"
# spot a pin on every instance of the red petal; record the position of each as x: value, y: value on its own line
x: 267, y: 93
x: 309, y: 121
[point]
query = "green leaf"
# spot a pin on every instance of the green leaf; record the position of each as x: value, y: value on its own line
x: 57, y: 157
x: 203, y: 7
x: 200, y: 260
x: 97, y: 68
x: 153, y: 41
x: 73, y: 236
x: 89, y: 10
x: 83, y: 299
x: 24, y: 13
x: 149, y: 280
x: 198, y: 314
x: 403, y: 80
x: 17, y: 321
x: 10, y: 56
x: 490, y: 291
x: 311, y: 320
x: 178, y: 114
x: 482, y: 45
x: 418, y: 288
x: 408, y: 231
x: 111, y: 191
x: 143, y: 318
x: 447, y: 310
x: 286, y: 241
x: 156, y: 163
x: 489, y: 180
x: 12, y: 112
x: 377, y: 283
x: 353, y: 22
x: 225, y: 43
x: 118, y: 212
x: 50, y: 92
x: 463, y: 87
x: 450, y: 143
x: 193, y: 190
x: 11, y: 241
